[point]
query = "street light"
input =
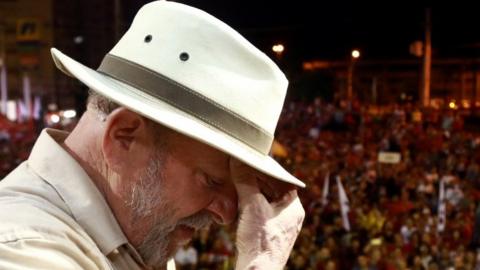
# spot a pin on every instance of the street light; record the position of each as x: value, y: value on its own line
x: 355, y: 55
x: 278, y: 48
x: 452, y: 105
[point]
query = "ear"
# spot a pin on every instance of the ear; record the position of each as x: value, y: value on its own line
x: 125, y: 140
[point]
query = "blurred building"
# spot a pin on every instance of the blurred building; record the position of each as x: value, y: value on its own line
x: 82, y: 29
x: 26, y: 34
x: 85, y: 31
x: 396, y: 80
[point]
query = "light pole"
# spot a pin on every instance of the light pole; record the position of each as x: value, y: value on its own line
x: 117, y: 9
x: 427, y: 62
x: 354, y: 56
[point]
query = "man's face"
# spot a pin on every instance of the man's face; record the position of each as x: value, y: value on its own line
x: 185, y: 185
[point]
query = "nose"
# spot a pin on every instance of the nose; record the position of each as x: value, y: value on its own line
x: 224, y: 207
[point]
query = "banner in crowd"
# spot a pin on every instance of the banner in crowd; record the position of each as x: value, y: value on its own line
x: 3, y: 89
x: 37, y: 108
x: 344, y: 204
x: 442, y: 207
x: 27, y: 96
x: 389, y: 157
x: 326, y: 184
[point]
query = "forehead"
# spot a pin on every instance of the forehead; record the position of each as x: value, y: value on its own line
x: 199, y: 155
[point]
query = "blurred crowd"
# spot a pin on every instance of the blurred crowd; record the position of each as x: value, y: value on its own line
x: 393, y: 206
x: 16, y: 142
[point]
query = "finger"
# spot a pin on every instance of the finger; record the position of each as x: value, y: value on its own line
x: 286, y: 199
x: 245, y: 182
x: 266, y: 187
x: 272, y: 188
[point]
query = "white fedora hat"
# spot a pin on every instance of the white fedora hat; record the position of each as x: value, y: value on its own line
x: 187, y: 70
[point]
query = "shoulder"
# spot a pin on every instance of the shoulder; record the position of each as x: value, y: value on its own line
x: 28, y: 249
x: 33, y: 238
x: 37, y: 229
x: 28, y: 202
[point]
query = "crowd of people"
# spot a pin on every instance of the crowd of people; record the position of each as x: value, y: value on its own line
x: 16, y: 142
x: 393, y: 213
x: 393, y: 207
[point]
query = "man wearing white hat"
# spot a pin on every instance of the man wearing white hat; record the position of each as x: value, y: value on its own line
x: 178, y: 127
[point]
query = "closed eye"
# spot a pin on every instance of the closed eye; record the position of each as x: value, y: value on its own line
x: 212, y: 182
x: 208, y: 180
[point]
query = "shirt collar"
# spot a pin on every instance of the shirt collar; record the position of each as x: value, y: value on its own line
x: 87, y: 205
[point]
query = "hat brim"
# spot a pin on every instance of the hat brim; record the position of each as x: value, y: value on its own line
x: 171, y: 117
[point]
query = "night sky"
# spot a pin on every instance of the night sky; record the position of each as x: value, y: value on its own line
x: 330, y: 29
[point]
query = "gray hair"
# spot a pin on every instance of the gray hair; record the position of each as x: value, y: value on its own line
x: 102, y: 105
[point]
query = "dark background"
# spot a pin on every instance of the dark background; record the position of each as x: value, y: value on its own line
x: 330, y: 29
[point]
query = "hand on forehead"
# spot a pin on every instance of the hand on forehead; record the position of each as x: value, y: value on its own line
x: 273, y: 189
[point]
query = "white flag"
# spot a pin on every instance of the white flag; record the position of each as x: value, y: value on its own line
x: 22, y: 111
x: 37, y: 108
x: 3, y: 87
x: 326, y: 184
x: 344, y: 204
x: 442, y: 207
x: 27, y: 97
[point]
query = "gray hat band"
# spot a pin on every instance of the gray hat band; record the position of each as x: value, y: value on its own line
x: 187, y: 100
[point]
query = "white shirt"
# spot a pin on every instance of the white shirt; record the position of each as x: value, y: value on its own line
x: 186, y: 256
x: 52, y: 216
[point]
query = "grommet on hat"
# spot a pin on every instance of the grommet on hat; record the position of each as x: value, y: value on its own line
x: 184, y: 56
x: 230, y: 97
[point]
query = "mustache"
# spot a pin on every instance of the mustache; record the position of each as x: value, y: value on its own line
x: 197, y: 221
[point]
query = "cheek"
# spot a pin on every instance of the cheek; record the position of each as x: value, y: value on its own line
x: 115, y: 184
x: 186, y: 193
x: 190, y: 198
x: 121, y: 186
x: 122, y: 181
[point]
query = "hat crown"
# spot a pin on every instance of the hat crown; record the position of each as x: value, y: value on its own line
x: 207, y: 56
x: 187, y: 70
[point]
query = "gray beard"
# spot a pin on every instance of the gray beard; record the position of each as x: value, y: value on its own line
x: 155, y: 247
x: 146, y: 200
